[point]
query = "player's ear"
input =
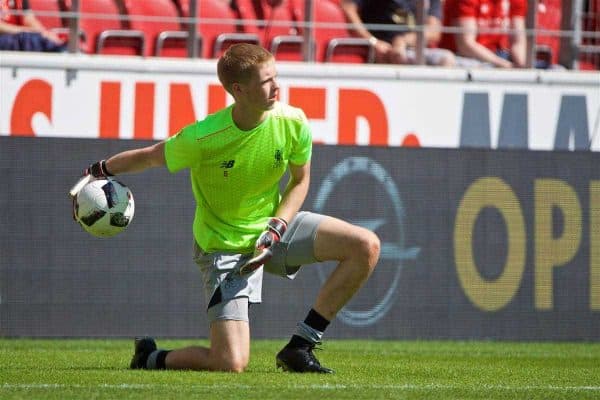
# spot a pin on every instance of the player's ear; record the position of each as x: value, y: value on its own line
x: 236, y: 89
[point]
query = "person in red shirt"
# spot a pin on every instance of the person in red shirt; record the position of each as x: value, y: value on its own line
x: 481, y: 38
x: 23, y: 31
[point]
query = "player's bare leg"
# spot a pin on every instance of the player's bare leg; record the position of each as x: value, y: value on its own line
x: 357, y: 251
x: 229, y: 351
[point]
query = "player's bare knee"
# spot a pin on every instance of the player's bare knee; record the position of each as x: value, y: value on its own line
x: 227, y: 360
x: 236, y: 363
x: 374, y: 248
x: 237, y: 367
x: 367, y: 249
x: 233, y: 364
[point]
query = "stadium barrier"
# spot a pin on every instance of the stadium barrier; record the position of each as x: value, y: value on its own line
x: 476, y: 243
x: 135, y: 98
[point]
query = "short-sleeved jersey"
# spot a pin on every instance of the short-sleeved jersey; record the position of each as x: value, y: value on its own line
x: 489, y: 14
x: 235, y: 174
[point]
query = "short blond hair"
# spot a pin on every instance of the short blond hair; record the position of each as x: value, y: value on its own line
x: 239, y: 62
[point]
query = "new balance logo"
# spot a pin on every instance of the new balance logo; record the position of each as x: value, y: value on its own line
x: 227, y: 164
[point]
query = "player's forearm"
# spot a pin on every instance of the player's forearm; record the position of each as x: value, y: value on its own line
x: 136, y: 160
x: 293, y: 198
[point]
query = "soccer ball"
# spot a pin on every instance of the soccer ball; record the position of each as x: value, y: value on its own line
x: 104, y: 207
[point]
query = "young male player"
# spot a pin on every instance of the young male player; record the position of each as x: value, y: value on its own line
x: 237, y: 157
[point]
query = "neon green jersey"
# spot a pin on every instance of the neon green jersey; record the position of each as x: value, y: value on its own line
x: 235, y: 174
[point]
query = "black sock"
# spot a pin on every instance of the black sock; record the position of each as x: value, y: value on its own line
x: 160, y: 359
x: 316, y: 320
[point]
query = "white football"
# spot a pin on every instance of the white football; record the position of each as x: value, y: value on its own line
x: 104, y: 207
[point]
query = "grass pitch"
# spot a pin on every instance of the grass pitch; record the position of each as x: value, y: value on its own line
x: 97, y: 369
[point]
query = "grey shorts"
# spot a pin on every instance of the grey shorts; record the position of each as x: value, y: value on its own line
x: 224, y: 285
x: 234, y: 309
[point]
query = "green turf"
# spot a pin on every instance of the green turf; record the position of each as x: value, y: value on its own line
x: 96, y: 369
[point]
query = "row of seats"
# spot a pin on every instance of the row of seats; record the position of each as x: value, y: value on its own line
x: 156, y: 28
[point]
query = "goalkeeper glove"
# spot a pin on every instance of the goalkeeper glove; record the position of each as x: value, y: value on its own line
x: 275, y: 229
x: 98, y: 170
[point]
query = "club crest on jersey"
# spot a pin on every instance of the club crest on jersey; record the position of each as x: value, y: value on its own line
x: 227, y: 165
x: 278, y: 158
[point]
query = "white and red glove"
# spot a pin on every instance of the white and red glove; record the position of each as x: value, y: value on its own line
x: 263, y: 252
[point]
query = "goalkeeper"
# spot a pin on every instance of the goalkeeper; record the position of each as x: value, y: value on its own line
x: 243, y: 225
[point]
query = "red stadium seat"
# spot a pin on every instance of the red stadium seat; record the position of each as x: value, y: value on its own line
x: 105, y: 31
x: 276, y: 24
x: 218, y: 28
x: 163, y: 33
x: 334, y: 42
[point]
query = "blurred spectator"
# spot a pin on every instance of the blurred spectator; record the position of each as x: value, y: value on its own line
x: 482, y: 47
x: 397, y: 46
x: 24, y: 31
